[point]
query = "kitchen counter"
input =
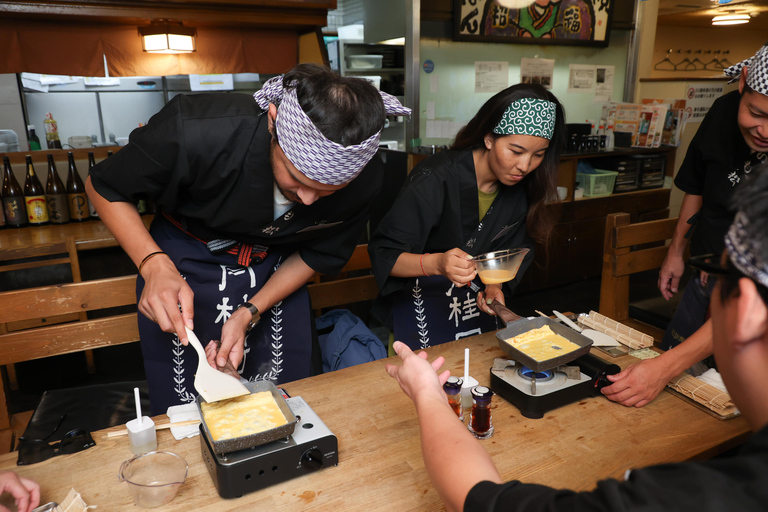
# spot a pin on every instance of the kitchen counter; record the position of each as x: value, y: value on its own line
x: 380, y: 464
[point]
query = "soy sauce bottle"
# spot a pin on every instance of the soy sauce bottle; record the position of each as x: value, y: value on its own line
x: 56, y: 195
x: 13, y: 198
x: 34, y: 197
x: 480, y: 423
x: 76, y: 198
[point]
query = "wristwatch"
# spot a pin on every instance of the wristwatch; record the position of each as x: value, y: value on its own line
x: 255, y: 315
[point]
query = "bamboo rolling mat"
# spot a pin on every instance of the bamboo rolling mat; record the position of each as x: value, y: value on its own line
x: 620, y: 332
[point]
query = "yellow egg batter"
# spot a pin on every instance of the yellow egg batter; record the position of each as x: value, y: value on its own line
x: 242, y: 416
x: 542, y: 344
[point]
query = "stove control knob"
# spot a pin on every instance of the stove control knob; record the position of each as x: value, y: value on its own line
x: 312, y: 460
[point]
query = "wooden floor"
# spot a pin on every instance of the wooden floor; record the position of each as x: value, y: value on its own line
x: 9, y: 437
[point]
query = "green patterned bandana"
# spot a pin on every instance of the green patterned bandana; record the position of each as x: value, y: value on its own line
x: 528, y: 116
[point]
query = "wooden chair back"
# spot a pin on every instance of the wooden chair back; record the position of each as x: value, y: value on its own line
x: 342, y: 289
x: 65, y: 299
x: 626, y: 252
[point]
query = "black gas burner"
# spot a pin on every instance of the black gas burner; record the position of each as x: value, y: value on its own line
x: 535, y: 393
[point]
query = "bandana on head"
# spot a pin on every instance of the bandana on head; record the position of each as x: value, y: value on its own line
x: 307, y: 148
x: 745, y: 255
x: 528, y: 116
x: 757, y: 71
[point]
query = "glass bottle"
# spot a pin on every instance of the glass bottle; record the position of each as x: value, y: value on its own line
x: 76, y: 198
x: 2, y: 211
x: 91, y: 210
x: 32, y: 138
x: 13, y: 198
x: 51, y: 132
x: 452, y: 388
x: 56, y: 195
x: 480, y: 423
x: 34, y: 197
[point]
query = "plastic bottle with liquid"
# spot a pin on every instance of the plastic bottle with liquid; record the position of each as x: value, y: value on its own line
x: 91, y: 210
x: 13, y: 198
x: 51, y: 132
x: 34, y: 197
x: 56, y: 195
x: 32, y: 138
x: 76, y: 198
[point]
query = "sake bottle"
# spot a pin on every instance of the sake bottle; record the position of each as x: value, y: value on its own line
x: 76, y: 198
x: 56, y: 195
x: 34, y: 197
x: 13, y: 198
x: 91, y: 210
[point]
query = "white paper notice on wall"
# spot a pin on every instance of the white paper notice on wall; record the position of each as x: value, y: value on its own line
x: 604, y: 83
x: 699, y: 97
x: 434, y: 83
x: 443, y: 129
x: 211, y: 82
x: 581, y: 78
x: 537, y: 71
x: 491, y: 76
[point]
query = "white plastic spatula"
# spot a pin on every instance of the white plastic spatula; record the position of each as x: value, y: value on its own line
x: 212, y: 384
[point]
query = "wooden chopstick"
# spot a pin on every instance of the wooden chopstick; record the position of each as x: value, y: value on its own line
x: 124, y: 432
x: 542, y: 314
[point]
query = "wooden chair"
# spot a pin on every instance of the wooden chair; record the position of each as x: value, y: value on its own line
x: 39, y: 256
x: 341, y: 290
x: 626, y: 252
x: 65, y: 299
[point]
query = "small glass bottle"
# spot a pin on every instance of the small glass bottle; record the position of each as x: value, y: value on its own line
x: 480, y: 423
x: 452, y: 388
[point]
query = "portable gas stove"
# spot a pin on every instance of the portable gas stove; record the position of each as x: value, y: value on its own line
x: 535, y: 393
x: 312, y: 446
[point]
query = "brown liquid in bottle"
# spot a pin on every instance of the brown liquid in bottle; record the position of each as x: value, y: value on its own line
x: 78, y: 201
x: 56, y: 195
x: 34, y: 197
x: 13, y: 198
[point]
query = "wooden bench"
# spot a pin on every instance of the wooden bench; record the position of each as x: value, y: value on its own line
x: 65, y: 299
x: 626, y: 252
x: 340, y: 290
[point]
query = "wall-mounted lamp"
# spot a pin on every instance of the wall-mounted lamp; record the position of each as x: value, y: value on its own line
x: 168, y: 37
x: 731, y: 19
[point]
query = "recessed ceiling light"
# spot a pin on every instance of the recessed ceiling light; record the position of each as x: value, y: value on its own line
x: 731, y: 19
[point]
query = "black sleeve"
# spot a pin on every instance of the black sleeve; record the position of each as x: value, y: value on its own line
x: 406, y: 227
x: 152, y: 165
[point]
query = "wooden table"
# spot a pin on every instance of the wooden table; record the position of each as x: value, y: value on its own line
x: 91, y: 234
x: 380, y: 464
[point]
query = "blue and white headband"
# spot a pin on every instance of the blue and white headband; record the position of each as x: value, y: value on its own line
x: 757, y: 71
x: 528, y: 116
x: 744, y: 253
x: 307, y: 148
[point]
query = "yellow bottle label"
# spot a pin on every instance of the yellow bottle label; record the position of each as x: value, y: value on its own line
x: 37, y: 210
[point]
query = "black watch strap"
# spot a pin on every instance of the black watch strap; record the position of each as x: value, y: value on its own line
x: 255, y: 315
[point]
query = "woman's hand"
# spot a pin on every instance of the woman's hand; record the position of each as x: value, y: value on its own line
x: 492, y: 292
x: 164, y: 291
x: 456, y: 266
x: 26, y: 492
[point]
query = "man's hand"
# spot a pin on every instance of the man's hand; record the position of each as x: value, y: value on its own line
x: 25, y: 492
x: 638, y: 384
x: 233, y: 339
x: 669, y: 276
x: 456, y: 267
x: 164, y: 290
x: 417, y: 377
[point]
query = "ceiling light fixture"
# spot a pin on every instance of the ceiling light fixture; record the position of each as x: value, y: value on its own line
x: 167, y: 36
x: 731, y: 19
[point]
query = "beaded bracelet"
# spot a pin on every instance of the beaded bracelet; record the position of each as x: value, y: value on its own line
x: 421, y: 263
x: 147, y: 257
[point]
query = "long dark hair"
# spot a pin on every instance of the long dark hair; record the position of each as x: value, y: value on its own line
x: 539, y: 185
x: 346, y: 110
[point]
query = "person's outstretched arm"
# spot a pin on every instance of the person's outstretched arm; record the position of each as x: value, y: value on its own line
x: 454, y: 459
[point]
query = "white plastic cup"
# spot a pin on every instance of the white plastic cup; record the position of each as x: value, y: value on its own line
x: 142, y: 435
x: 562, y: 193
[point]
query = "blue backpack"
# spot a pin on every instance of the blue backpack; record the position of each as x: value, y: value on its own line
x: 349, y: 341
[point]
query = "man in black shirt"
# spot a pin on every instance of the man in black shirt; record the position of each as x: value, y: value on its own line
x: 253, y: 198
x: 737, y: 482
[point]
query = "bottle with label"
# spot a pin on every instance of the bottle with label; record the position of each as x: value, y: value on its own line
x: 34, y: 140
x: 78, y: 201
x: 51, y: 132
x: 91, y: 210
x: 34, y: 197
x: 13, y: 198
x: 56, y: 195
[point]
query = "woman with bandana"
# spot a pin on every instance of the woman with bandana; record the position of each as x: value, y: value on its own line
x: 253, y: 198
x: 731, y: 141
x: 485, y: 194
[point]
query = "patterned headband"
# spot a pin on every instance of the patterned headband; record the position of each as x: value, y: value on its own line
x: 757, y: 71
x: 745, y: 255
x: 307, y: 148
x: 528, y: 116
